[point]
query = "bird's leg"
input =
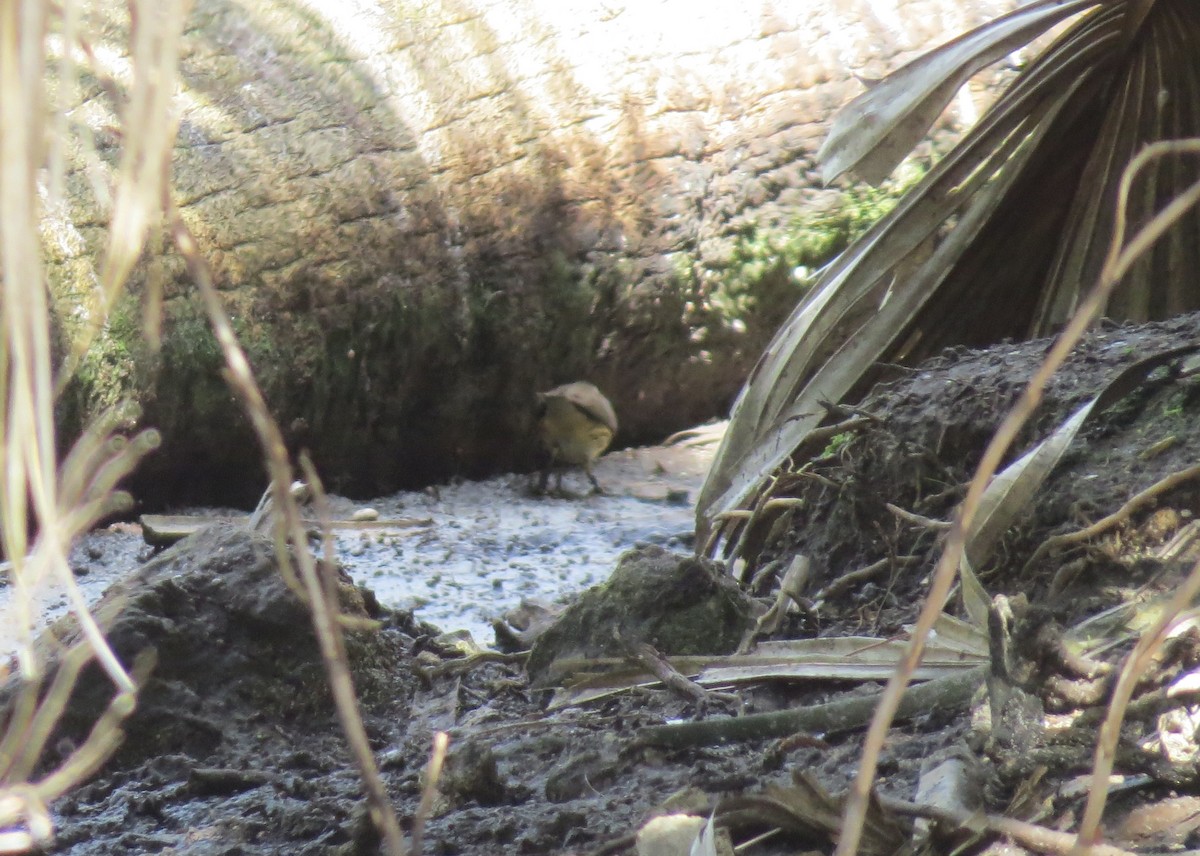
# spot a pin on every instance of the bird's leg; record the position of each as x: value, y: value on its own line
x: 592, y: 478
x: 543, y: 482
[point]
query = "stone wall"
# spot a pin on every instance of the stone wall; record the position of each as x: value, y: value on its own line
x: 422, y: 212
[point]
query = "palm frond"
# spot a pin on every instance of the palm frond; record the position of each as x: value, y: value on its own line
x: 1003, y: 237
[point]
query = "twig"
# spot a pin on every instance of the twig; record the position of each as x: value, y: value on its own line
x: 460, y: 665
x: 1027, y: 834
x: 917, y: 519
x: 945, y: 493
x: 828, y: 432
x: 734, y: 514
x: 645, y: 655
x: 1120, y: 259
x: 852, y: 578
x: 432, y: 773
x: 952, y: 692
x: 791, y: 590
x: 819, y: 479
x: 837, y: 410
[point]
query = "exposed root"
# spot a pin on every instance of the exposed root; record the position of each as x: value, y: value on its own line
x: 1121, y: 515
x: 917, y: 519
x: 853, y: 578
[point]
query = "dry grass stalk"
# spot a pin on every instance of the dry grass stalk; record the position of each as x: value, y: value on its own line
x: 38, y: 494
x: 433, y: 772
x: 68, y: 499
x: 1120, y: 258
x: 321, y: 600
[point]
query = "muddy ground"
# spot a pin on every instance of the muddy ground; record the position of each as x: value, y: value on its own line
x: 464, y: 553
x: 235, y: 748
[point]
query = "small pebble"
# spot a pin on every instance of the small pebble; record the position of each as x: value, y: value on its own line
x: 364, y: 514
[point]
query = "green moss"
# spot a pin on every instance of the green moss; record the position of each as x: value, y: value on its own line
x: 765, y: 262
x: 107, y: 372
x: 1175, y: 404
x: 190, y: 382
x: 836, y: 443
x: 183, y: 378
x: 679, y: 604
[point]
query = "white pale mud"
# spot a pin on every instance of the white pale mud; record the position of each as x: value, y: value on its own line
x: 482, y: 547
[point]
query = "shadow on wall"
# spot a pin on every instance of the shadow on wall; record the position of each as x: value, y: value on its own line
x: 411, y: 241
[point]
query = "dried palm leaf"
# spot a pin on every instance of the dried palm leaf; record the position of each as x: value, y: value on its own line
x: 1002, y: 237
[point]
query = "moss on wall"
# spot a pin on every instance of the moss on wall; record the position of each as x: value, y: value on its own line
x: 770, y: 266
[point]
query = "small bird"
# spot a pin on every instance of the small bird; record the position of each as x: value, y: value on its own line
x: 576, y: 423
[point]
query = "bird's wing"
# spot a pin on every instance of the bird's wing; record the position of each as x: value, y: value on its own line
x: 591, y: 401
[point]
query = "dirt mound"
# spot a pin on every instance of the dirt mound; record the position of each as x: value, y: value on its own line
x: 925, y: 434
x: 234, y: 739
x: 678, y: 604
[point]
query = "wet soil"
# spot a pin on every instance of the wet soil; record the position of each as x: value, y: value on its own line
x: 478, y: 549
x: 235, y: 749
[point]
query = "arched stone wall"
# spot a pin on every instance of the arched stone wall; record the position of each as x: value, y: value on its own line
x: 419, y: 213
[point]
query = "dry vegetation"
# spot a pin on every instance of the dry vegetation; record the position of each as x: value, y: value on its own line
x: 45, y: 51
x: 1118, y: 240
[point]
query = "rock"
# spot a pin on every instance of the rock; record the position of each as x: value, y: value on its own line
x: 669, y: 835
x: 471, y: 774
x: 679, y: 604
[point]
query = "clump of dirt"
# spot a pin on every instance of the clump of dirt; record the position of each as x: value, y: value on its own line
x: 235, y: 748
x: 675, y: 603
x: 225, y: 628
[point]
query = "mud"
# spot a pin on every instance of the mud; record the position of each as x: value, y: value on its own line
x: 235, y: 748
x: 480, y: 549
x: 490, y: 545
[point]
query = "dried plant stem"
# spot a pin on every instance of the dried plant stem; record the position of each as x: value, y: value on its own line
x: 917, y: 519
x: 645, y: 655
x: 952, y: 692
x: 102, y: 740
x: 27, y: 437
x: 1027, y: 834
x: 852, y: 578
x: 1119, y: 260
x: 37, y: 493
x: 26, y: 431
x: 325, y: 623
x: 437, y: 758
